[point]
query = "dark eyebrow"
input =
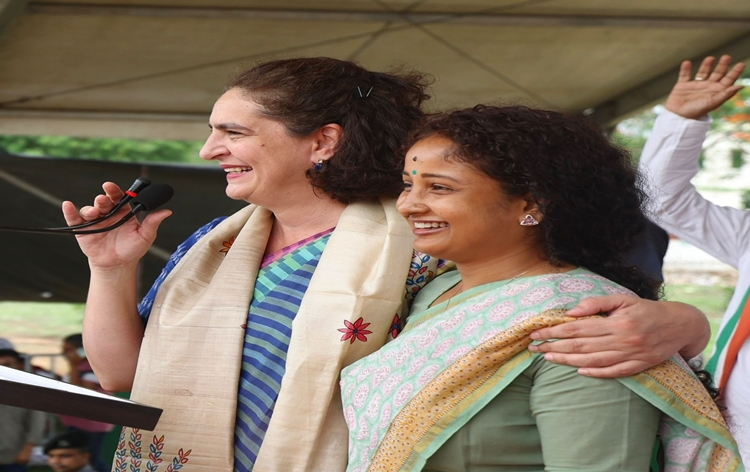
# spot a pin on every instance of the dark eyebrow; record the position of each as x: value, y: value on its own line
x: 434, y: 176
x: 228, y: 126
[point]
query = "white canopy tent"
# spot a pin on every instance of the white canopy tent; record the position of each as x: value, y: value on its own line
x: 152, y: 68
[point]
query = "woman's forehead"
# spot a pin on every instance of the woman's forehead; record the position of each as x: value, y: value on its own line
x: 235, y: 107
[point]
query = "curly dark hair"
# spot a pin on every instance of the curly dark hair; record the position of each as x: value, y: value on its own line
x: 587, y: 188
x: 376, y: 111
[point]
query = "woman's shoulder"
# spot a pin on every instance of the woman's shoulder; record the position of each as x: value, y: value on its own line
x: 553, y: 291
x: 547, y: 291
x: 144, y: 307
x: 203, y: 230
x: 583, y: 281
x: 193, y: 239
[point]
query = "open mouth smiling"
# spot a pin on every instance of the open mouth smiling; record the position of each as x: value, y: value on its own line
x: 237, y: 170
x: 429, y: 224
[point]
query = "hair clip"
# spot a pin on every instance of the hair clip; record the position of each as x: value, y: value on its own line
x: 366, y: 95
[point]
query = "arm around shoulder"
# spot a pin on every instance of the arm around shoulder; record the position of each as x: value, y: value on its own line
x: 636, y: 335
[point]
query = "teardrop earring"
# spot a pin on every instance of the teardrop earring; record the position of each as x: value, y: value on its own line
x: 318, y: 165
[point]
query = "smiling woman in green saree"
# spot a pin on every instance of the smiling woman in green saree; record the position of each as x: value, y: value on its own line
x: 536, y: 209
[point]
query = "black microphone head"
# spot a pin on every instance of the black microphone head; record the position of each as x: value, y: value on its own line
x: 152, y: 197
x: 139, y: 184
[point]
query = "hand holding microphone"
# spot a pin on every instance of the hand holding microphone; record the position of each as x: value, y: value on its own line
x: 142, y: 195
x: 150, y: 198
x: 139, y: 184
x: 110, y: 247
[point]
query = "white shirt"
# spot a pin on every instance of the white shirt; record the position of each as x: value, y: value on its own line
x: 669, y: 161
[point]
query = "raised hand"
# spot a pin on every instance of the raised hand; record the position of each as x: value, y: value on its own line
x: 711, y: 87
x: 120, y: 247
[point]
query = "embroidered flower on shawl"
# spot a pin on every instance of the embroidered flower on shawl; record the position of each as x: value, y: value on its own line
x: 131, y: 454
x: 227, y: 245
x: 355, y: 331
x: 395, y: 326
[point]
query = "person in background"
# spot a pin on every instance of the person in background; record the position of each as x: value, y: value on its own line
x: 20, y: 429
x: 69, y: 452
x: 30, y: 366
x: 81, y: 374
x: 670, y: 160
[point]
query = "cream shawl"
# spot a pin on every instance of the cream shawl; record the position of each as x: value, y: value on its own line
x: 190, y: 358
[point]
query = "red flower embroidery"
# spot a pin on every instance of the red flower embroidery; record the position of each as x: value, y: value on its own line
x: 227, y: 245
x: 354, y: 331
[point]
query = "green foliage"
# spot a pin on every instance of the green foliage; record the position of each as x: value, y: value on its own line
x: 633, y: 132
x: 123, y: 150
x: 710, y: 299
x: 40, y: 319
x: 738, y: 158
x: 746, y: 200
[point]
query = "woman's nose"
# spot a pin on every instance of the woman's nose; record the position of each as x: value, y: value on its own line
x: 410, y: 203
x: 211, y: 148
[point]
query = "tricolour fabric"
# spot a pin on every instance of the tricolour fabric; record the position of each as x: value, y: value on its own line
x: 732, y: 336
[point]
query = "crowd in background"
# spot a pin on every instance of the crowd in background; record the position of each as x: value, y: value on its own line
x: 30, y: 438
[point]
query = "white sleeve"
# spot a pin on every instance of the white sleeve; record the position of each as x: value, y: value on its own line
x: 669, y: 161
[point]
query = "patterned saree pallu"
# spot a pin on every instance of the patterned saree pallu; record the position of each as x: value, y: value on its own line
x: 406, y: 400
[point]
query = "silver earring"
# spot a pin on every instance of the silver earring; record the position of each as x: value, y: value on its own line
x: 529, y: 220
x: 318, y: 165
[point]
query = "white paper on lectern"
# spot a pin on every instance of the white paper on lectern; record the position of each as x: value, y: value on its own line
x: 19, y: 376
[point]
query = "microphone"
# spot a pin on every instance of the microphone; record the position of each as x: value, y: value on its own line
x: 150, y: 198
x: 132, y: 192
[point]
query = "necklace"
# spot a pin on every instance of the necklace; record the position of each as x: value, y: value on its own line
x: 458, y: 288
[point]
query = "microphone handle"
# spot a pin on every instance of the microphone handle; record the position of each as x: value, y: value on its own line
x: 119, y: 205
x: 135, y: 188
x: 124, y: 220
